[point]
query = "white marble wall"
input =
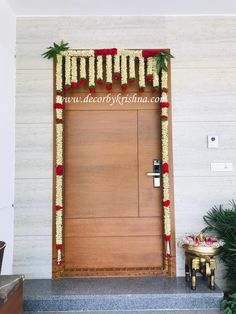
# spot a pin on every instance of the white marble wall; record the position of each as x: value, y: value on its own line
x: 204, y: 102
x: 7, y: 127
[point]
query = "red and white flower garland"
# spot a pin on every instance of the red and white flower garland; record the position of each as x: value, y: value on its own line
x: 95, y: 59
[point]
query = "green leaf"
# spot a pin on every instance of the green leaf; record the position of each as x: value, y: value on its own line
x: 52, y: 52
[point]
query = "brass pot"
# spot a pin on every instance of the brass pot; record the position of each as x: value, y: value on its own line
x: 200, y: 251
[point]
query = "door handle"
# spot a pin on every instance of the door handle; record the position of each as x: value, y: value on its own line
x: 156, y: 174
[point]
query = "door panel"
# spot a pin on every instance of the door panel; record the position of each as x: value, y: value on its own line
x: 115, y: 252
x: 101, y: 164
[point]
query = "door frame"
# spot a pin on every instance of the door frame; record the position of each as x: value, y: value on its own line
x: 58, y: 271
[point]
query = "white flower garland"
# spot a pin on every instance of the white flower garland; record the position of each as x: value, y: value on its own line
x: 149, y: 66
x: 117, y: 64
x: 155, y: 75
x: 74, y: 75
x: 83, y: 73
x: 68, y: 70
x: 131, y: 67
x: 124, y: 70
x: 99, y: 68
x: 109, y: 69
x: 59, y: 73
x: 91, y: 72
x: 165, y: 160
x: 141, y: 72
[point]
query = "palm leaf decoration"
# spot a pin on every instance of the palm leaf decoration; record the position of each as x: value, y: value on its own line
x: 222, y: 221
x: 161, y: 59
x: 55, y: 49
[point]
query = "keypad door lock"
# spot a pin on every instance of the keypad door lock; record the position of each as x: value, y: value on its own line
x: 156, y: 174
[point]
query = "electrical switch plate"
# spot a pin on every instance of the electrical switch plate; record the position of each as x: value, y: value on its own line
x: 221, y: 166
x: 212, y: 141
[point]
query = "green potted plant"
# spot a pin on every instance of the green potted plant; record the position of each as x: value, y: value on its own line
x: 222, y: 222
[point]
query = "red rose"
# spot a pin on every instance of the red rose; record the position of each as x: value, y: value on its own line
x: 82, y: 81
x: 91, y: 89
x: 166, y: 203
x: 74, y: 84
x: 58, y: 106
x: 167, y: 237
x: 58, y: 207
x: 124, y: 87
x: 58, y: 246
x: 132, y: 80
x: 164, y: 104
x: 59, y: 170
x: 163, y: 117
x: 164, y: 90
x: 67, y: 88
x: 165, y: 167
x: 100, y: 81
x: 109, y: 86
x: 149, y: 77
x: 116, y: 76
x: 141, y: 89
x: 58, y: 120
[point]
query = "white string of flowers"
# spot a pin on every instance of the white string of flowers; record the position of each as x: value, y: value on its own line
x: 91, y: 72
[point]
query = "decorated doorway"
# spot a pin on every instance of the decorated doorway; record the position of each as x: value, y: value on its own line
x: 113, y: 191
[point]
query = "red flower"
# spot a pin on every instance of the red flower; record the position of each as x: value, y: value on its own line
x: 59, y: 170
x: 163, y: 117
x: 149, y: 77
x: 100, y: 81
x: 116, y: 76
x: 59, y: 106
x: 74, y: 84
x: 92, y: 89
x: 82, y: 81
x: 167, y: 237
x: 58, y: 246
x: 58, y: 120
x: 166, y: 203
x: 67, y: 88
x: 164, y: 104
x: 109, y: 86
x: 151, y: 53
x: 58, y: 207
x: 105, y: 52
x: 124, y: 87
x: 141, y: 89
x: 164, y: 90
x: 132, y: 80
x: 165, y: 167
x: 59, y: 93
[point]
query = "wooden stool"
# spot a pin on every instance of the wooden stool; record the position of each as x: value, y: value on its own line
x: 206, y: 265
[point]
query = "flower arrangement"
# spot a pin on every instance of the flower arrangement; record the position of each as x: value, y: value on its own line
x: 201, y: 240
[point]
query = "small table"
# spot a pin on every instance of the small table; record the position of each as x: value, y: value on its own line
x: 206, y: 265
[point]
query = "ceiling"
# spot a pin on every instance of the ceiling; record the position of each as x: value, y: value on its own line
x: 122, y: 7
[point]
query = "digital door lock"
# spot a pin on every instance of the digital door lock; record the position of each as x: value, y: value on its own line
x: 156, y: 174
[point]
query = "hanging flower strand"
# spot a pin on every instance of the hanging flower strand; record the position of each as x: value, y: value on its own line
x: 117, y: 66
x: 100, y: 70
x: 124, y: 83
x: 165, y: 162
x: 149, y: 69
x: 91, y: 74
x: 74, y: 73
x: 109, y: 72
x: 82, y: 71
x: 141, y: 74
x: 131, y: 69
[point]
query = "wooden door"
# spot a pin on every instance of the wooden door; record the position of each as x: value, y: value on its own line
x: 113, y: 216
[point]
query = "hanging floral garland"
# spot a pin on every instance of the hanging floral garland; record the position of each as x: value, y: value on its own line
x: 122, y: 64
